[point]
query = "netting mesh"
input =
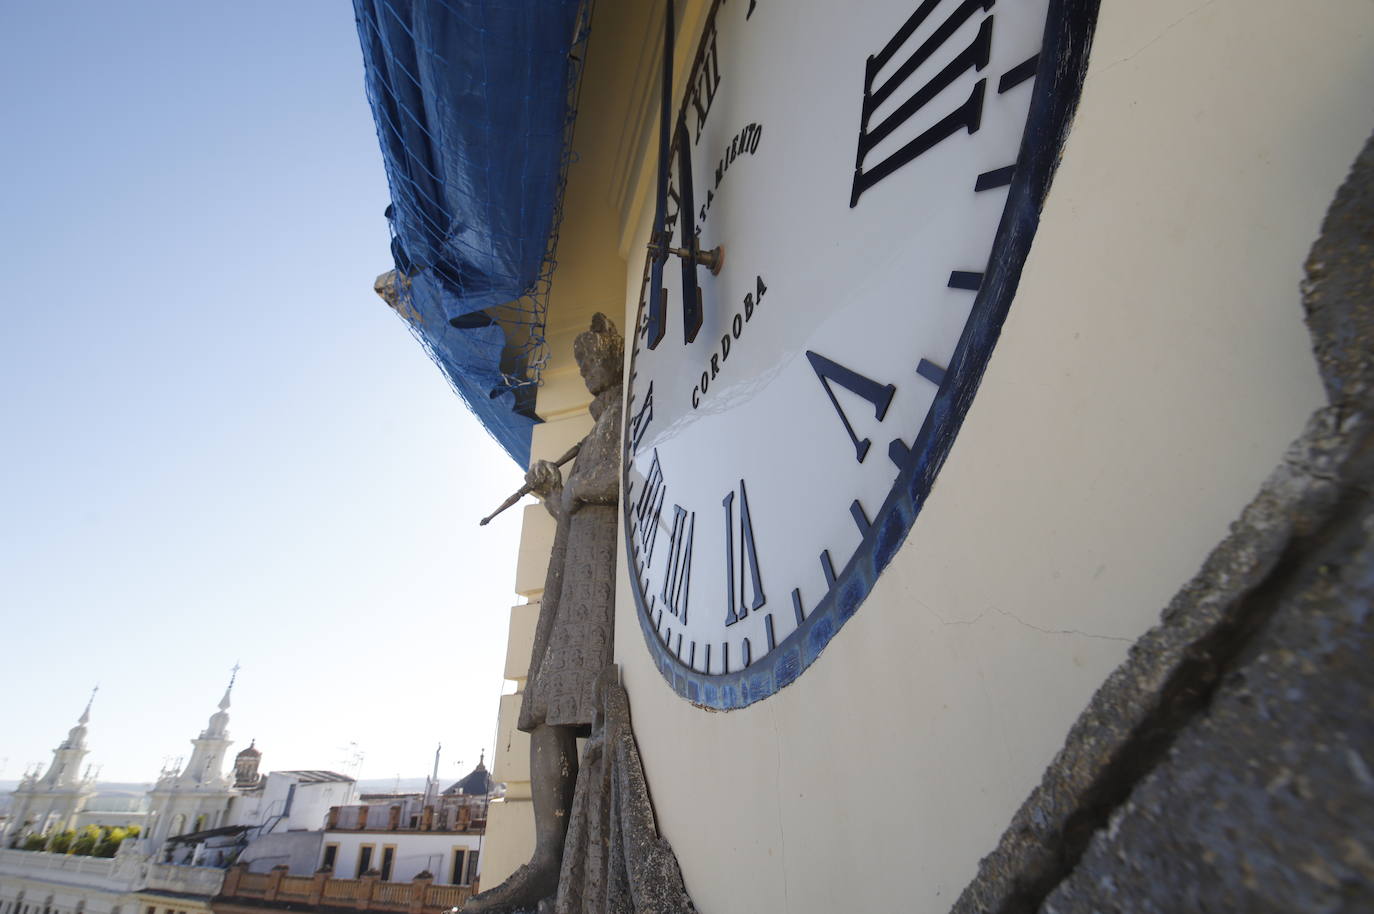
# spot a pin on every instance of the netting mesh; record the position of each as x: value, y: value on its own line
x: 474, y: 102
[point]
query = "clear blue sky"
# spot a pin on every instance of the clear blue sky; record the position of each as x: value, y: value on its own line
x: 218, y: 444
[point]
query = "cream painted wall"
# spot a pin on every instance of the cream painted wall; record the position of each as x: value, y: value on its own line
x: 588, y: 279
x: 1153, y: 368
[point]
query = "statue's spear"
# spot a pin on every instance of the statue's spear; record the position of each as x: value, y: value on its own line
x: 525, y: 489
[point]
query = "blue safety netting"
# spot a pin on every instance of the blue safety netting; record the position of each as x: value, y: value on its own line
x: 474, y: 102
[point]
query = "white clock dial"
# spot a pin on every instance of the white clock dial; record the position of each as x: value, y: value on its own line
x: 783, y: 428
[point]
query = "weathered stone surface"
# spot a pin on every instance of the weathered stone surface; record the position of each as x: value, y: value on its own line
x: 1338, y: 295
x: 1266, y: 801
x: 614, y: 860
x: 573, y: 639
x: 1168, y: 778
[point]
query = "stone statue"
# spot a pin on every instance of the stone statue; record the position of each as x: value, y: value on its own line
x: 574, y: 639
x: 614, y: 859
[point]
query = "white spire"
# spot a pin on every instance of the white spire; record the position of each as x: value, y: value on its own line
x: 224, y: 702
x: 76, y: 737
x: 86, y: 714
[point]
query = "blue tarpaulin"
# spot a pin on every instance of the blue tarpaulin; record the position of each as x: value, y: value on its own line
x: 473, y: 104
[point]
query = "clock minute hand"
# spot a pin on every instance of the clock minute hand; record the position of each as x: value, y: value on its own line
x: 658, y: 243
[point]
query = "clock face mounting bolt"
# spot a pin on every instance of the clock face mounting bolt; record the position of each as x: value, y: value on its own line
x: 713, y: 260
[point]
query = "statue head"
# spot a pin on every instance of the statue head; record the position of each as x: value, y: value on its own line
x: 600, y: 354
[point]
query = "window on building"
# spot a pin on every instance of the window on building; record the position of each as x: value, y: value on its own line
x: 364, y: 858
x: 472, y: 868
x: 331, y: 853
x: 458, y: 871
x: 388, y: 858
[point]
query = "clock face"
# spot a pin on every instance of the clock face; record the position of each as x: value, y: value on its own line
x: 873, y: 173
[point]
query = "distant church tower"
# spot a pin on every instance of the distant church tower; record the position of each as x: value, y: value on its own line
x: 196, y: 798
x: 48, y: 804
x: 246, y: 767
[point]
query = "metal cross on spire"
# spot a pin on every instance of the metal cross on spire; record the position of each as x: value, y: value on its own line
x: 86, y: 714
x: 233, y: 675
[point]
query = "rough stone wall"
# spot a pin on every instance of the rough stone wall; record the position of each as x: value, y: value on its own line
x: 1226, y: 765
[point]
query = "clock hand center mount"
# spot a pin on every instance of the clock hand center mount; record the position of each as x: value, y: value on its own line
x: 713, y: 260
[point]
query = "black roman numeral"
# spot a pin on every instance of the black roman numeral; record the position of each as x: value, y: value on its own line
x: 967, y: 116
x: 677, y: 577
x: 704, y: 88
x: 639, y: 422
x: 647, y: 509
x: 748, y: 559
x: 671, y: 207
x: 878, y: 394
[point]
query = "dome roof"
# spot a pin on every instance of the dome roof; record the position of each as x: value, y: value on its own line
x: 250, y: 752
x: 477, y: 783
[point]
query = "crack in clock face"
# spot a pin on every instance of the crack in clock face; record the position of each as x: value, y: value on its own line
x: 872, y: 177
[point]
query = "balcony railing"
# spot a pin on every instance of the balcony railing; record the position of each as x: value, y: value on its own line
x: 465, y: 817
x: 366, y: 894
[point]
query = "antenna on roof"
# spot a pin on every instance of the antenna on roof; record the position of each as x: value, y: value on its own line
x: 352, y: 760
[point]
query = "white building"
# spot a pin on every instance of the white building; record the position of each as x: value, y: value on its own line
x: 54, y: 801
x: 200, y: 821
x: 197, y: 797
x: 393, y: 837
x: 197, y: 822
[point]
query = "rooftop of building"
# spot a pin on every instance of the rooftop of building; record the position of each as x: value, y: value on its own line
x: 317, y: 777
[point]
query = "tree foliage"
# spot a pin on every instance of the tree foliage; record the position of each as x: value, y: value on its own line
x: 109, y: 842
x: 61, y: 842
x: 85, y: 841
x: 91, y: 841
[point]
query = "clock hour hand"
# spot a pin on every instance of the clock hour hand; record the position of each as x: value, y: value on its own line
x: 687, y: 213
